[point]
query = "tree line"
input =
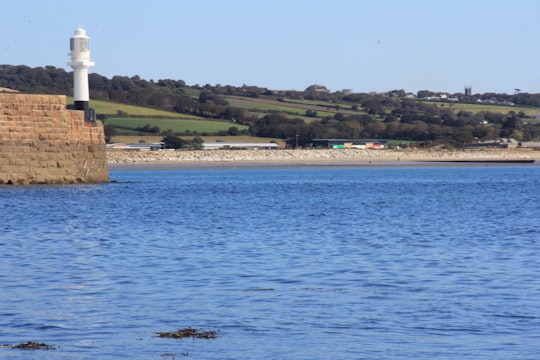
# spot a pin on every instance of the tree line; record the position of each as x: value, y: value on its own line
x: 390, y: 115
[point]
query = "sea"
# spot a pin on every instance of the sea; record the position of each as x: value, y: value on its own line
x: 431, y: 262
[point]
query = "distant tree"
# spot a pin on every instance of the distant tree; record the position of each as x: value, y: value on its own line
x: 424, y: 94
x: 512, y: 122
x: 397, y: 93
x: 173, y: 142
x: 494, y: 118
x: 317, y: 87
x: 391, y: 118
x: 531, y: 132
x: 148, y: 128
x: 376, y: 129
x: 311, y: 113
x: 110, y: 131
x: 207, y: 96
x: 233, y: 131
x: 461, y: 136
x: 197, y: 143
x: 339, y: 116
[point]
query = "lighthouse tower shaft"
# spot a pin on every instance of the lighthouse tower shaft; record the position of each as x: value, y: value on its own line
x: 80, y: 62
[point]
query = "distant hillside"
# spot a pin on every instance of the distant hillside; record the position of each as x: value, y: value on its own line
x: 427, y: 117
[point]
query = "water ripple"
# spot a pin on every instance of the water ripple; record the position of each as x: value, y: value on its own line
x: 296, y: 264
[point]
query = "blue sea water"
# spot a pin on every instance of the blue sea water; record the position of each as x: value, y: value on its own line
x: 295, y: 263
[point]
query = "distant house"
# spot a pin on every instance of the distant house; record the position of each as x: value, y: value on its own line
x: 318, y: 88
x: 349, y: 144
x: 499, y: 143
x: 509, y: 143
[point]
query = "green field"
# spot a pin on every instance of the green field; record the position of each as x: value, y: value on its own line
x: 192, y: 92
x: 295, y: 109
x: 111, y: 108
x: 176, y: 125
x: 321, y: 103
x: 139, y: 116
x: 474, y: 108
x: 255, y: 106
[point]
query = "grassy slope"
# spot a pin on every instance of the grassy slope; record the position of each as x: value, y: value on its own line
x: 329, y: 109
x: 140, y: 116
x: 296, y: 108
x: 111, y: 108
x: 504, y: 109
x: 259, y: 106
x: 293, y: 107
x: 176, y: 125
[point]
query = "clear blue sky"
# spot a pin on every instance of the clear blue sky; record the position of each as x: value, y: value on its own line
x: 377, y: 45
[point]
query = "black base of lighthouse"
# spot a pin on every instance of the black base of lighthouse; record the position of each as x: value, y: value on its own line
x: 81, y: 105
x: 89, y: 114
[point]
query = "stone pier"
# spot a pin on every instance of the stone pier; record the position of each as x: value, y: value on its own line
x: 41, y: 142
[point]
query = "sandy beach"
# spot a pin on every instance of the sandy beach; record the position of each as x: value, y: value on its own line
x: 131, y: 159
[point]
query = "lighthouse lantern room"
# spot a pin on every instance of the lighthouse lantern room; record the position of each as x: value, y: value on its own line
x: 80, y: 62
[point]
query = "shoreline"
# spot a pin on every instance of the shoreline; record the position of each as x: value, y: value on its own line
x: 284, y: 158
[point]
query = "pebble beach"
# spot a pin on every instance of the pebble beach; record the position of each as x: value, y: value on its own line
x: 117, y: 158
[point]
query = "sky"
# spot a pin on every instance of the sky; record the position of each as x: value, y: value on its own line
x: 362, y: 45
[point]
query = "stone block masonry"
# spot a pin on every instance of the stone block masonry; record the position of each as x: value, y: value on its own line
x: 41, y: 142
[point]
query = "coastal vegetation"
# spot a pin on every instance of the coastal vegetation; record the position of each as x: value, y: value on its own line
x: 131, y: 106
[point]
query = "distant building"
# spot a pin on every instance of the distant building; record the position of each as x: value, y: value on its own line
x: 505, y: 143
x: 349, y: 144
x: 318, y: 88
x: 468, y: 91
x: 239, y: 146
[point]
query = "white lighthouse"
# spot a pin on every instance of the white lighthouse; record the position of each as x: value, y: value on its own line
x: 80, y: 62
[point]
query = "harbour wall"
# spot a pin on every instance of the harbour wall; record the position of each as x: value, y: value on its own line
x: 42, y: 142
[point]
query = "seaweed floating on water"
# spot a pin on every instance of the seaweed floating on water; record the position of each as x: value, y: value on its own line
x: 188, y: 332
x: 30, y: 345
